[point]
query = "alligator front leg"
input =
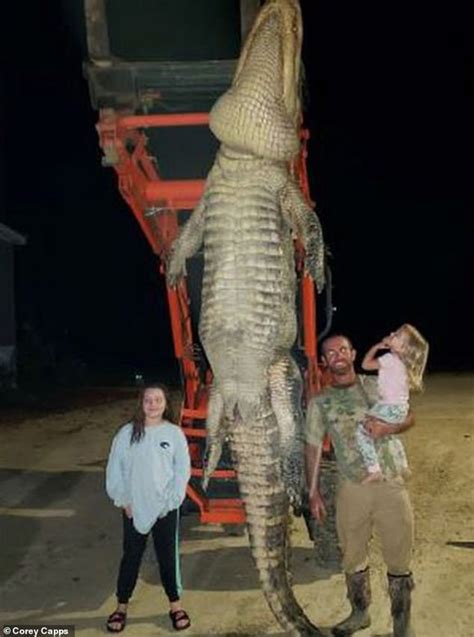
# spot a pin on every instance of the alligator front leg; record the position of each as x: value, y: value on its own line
x: 186, y: 245
x: 303, y: 220
x: 286, y: 388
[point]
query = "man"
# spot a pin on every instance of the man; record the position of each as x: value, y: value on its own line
x: 382, y: 506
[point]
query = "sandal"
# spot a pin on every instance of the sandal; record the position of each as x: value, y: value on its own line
x: 178, y: 616
x: 117, y: 617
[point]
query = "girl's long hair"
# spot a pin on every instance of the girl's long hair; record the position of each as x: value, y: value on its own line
x: 138, y: 420
x: 414, y: 355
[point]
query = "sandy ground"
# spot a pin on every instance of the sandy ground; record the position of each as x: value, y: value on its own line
x: 60, y: 536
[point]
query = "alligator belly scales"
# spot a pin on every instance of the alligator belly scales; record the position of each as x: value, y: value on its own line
x: 250, y: 212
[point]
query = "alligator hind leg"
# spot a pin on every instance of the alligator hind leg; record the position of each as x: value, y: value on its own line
x: 216, y: 430
x: 286, y: 387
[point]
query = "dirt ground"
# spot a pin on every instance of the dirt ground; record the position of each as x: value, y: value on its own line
x: 60, y: 536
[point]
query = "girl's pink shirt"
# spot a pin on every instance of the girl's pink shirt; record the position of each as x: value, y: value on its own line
x: 392, y: 380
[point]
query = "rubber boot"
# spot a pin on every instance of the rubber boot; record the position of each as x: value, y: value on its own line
x: 400, y: 588
x: 358, y: 593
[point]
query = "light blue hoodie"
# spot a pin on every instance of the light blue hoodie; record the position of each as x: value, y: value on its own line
x: 150, y: 475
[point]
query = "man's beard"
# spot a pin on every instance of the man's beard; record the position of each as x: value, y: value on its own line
x: 341, y: 370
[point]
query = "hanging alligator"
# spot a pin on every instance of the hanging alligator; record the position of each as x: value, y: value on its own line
x: 247, y: 219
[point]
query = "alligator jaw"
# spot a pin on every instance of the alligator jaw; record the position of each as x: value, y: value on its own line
x: 260, y: 112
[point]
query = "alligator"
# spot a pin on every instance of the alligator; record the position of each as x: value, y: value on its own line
x: 251, y: 211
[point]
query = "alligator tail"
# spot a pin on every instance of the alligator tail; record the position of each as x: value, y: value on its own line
x: 255, y: 449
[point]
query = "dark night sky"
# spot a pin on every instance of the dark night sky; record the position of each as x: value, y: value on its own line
x: 388, y: 109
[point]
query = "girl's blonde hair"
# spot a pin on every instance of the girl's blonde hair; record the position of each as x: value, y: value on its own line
x: 414, y: 355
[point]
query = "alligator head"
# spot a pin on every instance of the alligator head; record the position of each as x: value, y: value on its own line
x: 260, y: 113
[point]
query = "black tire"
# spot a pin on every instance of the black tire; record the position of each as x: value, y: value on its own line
x: 234, y: 530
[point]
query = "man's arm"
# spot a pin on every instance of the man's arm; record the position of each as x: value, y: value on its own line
x: 312, y: 456
x: 378, y: 428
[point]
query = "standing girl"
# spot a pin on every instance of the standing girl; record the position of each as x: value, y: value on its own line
x: 146, y: 476
x: 399, y: 371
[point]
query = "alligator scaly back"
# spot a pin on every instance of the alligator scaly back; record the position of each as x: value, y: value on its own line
x: 247, y: 218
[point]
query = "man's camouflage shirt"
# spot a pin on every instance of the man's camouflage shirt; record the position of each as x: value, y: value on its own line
x: 337, y: 411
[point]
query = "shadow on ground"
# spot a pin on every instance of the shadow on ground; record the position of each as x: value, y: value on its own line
x: 60, y: 528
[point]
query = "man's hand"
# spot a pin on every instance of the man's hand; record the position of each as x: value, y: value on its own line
x: 377, y: 428
x: 316, y: 506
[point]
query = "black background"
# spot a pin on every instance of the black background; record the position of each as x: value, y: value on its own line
x: 389, y: 104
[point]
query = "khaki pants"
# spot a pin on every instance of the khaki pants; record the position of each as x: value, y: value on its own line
x: 381, y: 506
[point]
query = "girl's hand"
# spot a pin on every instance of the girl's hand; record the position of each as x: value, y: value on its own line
x: 128, y: 511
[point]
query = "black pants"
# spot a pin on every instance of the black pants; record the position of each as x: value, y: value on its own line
x: 165, y: 540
